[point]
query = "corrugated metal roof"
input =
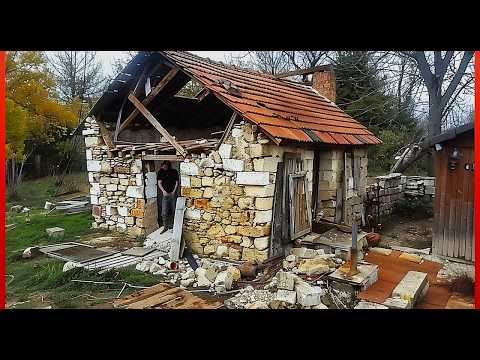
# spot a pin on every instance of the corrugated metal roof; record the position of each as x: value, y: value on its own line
x: 282, y: 108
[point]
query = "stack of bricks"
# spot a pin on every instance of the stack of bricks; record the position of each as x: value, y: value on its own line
x: 116, y: 186
x: 418, y: 186
x: 395, y: 187
x: 389, y: 190
x: 229, y: 195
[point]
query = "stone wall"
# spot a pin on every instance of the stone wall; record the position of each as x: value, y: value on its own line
x: 392, y: 188
x: 332, y: 168
x: 229, y: 194
x: 117, y: 186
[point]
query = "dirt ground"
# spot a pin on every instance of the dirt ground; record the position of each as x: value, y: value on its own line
x: 401, y: 231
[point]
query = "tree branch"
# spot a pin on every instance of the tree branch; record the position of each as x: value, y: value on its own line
x: 467, y: 56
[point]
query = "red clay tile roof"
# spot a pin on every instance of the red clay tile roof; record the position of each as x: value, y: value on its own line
x: 281, y: 108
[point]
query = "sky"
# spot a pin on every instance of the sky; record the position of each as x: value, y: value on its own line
x: 107, y: 57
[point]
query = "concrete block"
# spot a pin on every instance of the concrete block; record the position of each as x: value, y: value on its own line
x: 253, y: 178
x: 411, y: 286
x: 365, y: 305
x: 308, y: 295
x: 397, y: 303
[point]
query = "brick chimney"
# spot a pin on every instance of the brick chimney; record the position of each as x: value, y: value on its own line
x: 324, y: 82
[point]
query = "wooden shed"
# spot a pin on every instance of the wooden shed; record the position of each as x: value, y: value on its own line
x: 454, y: 166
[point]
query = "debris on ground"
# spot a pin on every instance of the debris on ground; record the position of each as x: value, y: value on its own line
x: 55, y: 232
x: 74, y: 206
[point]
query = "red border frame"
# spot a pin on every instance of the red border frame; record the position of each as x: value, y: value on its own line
x: 3, y: 130
x: 476, y: 199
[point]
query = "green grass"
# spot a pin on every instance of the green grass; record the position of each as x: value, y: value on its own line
x: 43, y: 277
x: 34, y: 193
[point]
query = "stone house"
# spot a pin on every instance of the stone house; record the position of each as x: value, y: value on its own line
x: 261, y: 157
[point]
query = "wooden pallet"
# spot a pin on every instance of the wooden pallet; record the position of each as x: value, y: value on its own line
x: 164, y: 296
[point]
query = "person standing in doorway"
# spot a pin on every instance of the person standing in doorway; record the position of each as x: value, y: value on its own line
x: 168, y: 184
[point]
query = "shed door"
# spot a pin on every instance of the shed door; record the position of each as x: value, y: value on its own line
x: 453, y: 224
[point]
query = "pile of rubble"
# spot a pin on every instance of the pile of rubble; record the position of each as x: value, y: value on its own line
x: 217, y: 276
x: 297, y: 285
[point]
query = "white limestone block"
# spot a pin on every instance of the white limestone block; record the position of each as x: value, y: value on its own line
x: 225, y: 151
x: 135, y: 191
x: 185, y: 181
x: 94, y: 165
x: 253, y: 178
x: 95, y: 189
x: 233, y: 165
x: 188, y: 168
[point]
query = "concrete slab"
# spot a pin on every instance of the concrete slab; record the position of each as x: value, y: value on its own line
x: 397, y: 303
x: 411, y: 287
x: 138, y: 251
x: 367, y: 277
x: 365, y: 305
x: 55, y: 232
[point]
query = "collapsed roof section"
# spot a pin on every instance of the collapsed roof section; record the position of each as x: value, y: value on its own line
x: 282, y: 109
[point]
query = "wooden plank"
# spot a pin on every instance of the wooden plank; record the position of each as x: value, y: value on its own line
x: 276, y: 237
x: 308, y: 71
x: 356, y: 172
x: 462, y: 212
x: 228, y: 129
x: 153, y: 157
x: 141, y: 295
x: 202, y: 94
x: 154, y: 300
x: 451, y: 195
x: 148, y: 115
x: 170, y: 75
x: 176, y: 244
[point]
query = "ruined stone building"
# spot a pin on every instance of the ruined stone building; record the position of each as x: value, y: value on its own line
x: 260, y: 157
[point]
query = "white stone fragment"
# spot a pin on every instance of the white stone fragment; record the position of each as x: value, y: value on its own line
x: 55, y: 232
x: 69, y: 265
x: 225, y: 151
x: 263, y: 216
x: 88, y: 154
x: 290, y: 297
x: 308, y: 295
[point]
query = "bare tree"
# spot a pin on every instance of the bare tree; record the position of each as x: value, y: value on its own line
x: 446, y: 76
x: 78, y: 73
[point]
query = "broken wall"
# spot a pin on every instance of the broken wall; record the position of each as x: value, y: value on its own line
x: 389, y: 189
x: 229, y: 194
x: 117, y: 186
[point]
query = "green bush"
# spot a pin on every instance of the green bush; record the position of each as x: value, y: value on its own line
x: 421, y: 207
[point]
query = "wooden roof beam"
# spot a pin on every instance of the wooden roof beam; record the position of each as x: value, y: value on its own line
x: 305, y: 71
x: 148, y: 115
x: 155, y: 91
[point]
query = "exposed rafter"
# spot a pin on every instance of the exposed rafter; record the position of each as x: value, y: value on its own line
x: 148, y: 115
x: 155, y: 91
